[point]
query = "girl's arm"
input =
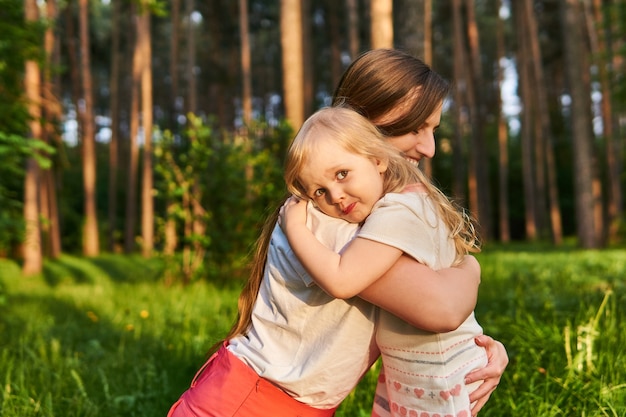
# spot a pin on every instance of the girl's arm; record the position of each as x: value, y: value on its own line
x: 437, y: 301
x: 342, y: 275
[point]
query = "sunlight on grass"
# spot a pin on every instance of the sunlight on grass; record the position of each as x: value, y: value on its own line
x: 107, y: 337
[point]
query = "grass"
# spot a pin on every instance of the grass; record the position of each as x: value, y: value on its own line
x: 107, y: 337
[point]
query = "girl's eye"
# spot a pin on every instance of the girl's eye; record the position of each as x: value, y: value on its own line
x: 342, y: 175
x: 318, y: 193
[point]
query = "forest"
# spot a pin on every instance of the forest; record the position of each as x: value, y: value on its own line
x: 159, y: 127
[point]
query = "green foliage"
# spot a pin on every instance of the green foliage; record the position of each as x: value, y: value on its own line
x: 234, y: 182
x: 14, y: 150
x: 106, y: 337
x: 19, y: 41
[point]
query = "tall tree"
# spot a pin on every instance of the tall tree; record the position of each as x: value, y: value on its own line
x: 52, y: 118
x: 131, y: 190
x: 191, y: 104
x: 479, y: 189
x: 292, y: 60
x: 528, y: 179
x: 600, y: 37
x: 147, y: 199
x: 33, y: 260
x: 545, y: 165
x: 413, y: 23
x: 246, y: 76
x: 579, y: 84
x: 90, y: 233
x: 381, y: 12
x: 115, y: 120
x: 460, y: 102
x: 174, y: 85
x: 503, y: 140
x: 353, y: 28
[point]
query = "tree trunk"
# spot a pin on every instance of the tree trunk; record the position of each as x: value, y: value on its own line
x: 308, y: 62
x: 336, y: 38
x: 292, y: 60
x: 131, y: 195
x: 381, y: 12
x: 192, y: 87
x: 53, y: 115
x: 599, y: 34
x: 246, y: 75
x: 413, y: 21
x: 579, y: 83
x: 33, y: 261
x: 460, y: 93
x: 90, y: 236
x: 524, y: 71
x: 147, y: 201
x: 478, y: 162
x: 503, y: 151
x: 353, y: 29
x: 115, y: 121
x: 174, y: 40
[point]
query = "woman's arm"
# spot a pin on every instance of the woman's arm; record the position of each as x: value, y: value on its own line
x: 437, y: 301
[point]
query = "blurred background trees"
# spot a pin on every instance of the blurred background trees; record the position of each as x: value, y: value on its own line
x: 160, y: 126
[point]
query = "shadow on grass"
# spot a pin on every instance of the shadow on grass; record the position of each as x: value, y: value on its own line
x: 75, y: 356
x: 116, y: 268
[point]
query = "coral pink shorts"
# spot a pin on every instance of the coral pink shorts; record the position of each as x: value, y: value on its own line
x: 227, y: 387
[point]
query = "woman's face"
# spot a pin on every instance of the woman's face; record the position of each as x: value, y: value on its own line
x: 420, y: 143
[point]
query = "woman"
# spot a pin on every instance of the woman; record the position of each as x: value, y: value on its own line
x: 296, y: 351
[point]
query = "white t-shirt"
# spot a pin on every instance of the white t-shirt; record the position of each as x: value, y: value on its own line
x: 313, y: 346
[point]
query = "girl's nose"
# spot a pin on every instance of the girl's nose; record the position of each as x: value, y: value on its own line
x: 335, y: 195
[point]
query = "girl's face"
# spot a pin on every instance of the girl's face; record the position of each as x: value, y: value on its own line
x: 341, y: 183
x: 420, y: 143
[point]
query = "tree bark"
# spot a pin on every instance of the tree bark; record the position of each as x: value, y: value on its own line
x: 579, y: 83
x: 175, y: 39
x: 381, y: 12
x: 53, y: 115
x: 528, y: 179
x: 131, y: 194
x: 115, y: 121
x: 246, y: 76
x: 147, y: 200
x: 602, y: 52
x: 192, y: 87
x: 503, y: 141
x: 353, y: 29
x: 90, y: 236
x: 479, y: 187
x: 292, y: 60
x: 33, y: 260
x: 460, y: 94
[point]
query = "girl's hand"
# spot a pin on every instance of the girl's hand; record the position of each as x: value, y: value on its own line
x: 292, y: 214
x: 490, y: 374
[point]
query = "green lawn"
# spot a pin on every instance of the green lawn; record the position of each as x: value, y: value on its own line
x: 107, y: 337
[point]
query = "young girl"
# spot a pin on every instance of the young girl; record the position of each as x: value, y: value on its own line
x: 341, y: 163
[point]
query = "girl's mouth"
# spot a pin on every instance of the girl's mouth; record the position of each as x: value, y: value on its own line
x: 348, y: 209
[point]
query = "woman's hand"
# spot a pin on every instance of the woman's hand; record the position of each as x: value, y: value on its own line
x: 490, y: 374
x: 292, y: 214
